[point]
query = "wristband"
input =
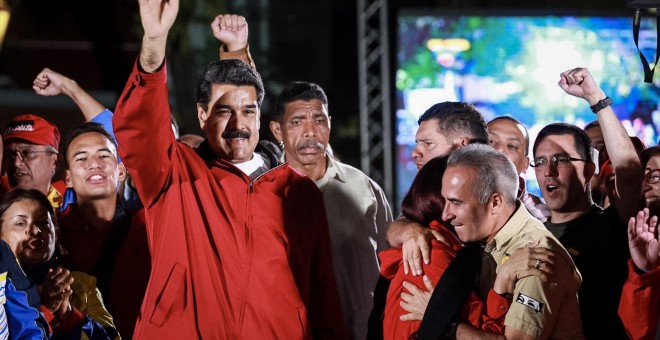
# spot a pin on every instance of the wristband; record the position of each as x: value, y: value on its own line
x: 601, y: 105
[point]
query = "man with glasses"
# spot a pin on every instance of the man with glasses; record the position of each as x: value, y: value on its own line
x: 30, y: 156
x: 595, y: 238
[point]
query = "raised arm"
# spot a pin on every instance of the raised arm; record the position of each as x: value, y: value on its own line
x: 142, y: 122
x: 232, y: 31
x: 157, y: 18
x: 627, y: 167
x: 51, y: 83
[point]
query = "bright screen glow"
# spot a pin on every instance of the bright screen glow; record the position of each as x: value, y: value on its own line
x: 510, y: 65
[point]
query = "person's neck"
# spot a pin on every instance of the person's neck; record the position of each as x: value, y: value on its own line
x: 98, y: 212
x: 506, y: 213
x: 314, y: 171
x: 569, y: 215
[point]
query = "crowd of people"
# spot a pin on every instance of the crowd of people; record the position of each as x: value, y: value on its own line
x: 152, y: 235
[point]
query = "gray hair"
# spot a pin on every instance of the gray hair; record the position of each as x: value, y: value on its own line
x: 495, y: 172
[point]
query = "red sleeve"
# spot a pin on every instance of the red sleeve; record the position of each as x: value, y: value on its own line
x: 639, y: 307
x: 143, y: 129
x: 488, y: 316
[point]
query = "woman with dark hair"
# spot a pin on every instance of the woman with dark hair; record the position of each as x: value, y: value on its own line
x: 21, y: 303
x: 424, y: 204
x: 70, y: 300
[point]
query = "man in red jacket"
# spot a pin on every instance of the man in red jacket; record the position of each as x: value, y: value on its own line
x: 239, y: 244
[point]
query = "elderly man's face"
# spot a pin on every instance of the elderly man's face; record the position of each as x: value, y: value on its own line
x: 30, y: 166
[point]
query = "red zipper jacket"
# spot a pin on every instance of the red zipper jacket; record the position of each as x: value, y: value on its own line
x: 232, y: 258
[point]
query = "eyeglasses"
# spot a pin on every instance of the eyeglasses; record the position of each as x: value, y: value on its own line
x: 652, y: 177
x: 561, y: 161
x: 25, y: 154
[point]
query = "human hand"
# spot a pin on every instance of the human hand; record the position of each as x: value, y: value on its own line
x: 65, y: 309
x: 415, y: 301
x: 578, y: 82
x: 49, y: 83
x: 523, y: 262
x: 417, y: 247
x: 644, y: 241
x: 157, y: 17
x: 56, y: 288
x: 232, y: 30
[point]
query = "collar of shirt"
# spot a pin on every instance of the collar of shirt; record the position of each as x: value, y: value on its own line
x: 510, y: 228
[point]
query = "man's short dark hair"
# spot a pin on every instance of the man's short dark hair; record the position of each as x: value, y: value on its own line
x: 581, y: 140
x: 593, y: 124
x: 82, y: 129
x: 456, y: 120
x: 298, y: 90
x: 646, y: 155
x: 231, y: 72
x: 512, y: 119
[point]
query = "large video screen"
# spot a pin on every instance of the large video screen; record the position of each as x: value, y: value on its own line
x: 510, y: 65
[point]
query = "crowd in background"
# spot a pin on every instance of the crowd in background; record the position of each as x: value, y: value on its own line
x: 228, y: 236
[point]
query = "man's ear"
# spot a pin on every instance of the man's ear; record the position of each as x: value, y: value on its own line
x: 496, y: 203
x: 201, y: 115
x: 56, y: 163
x: 526, y: 165
x: 122, y: 172
x: 589, y: 170
x: 276, y: 130
x: 67, y: 179
x: 463, y: 141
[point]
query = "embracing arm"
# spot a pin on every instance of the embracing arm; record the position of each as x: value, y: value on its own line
x: 415, y: 242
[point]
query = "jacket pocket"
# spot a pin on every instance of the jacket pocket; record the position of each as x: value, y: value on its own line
x: 173, y: 291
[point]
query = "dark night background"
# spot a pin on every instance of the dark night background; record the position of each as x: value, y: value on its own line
x: 96, y: 42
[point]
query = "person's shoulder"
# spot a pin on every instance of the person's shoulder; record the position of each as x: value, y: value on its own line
x: 353, y: 174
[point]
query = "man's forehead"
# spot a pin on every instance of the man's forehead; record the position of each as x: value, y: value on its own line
x: 91, y: 139
x: 300, y: 106
x: 507, y: 127
x: 19, y: 144
x: 557, y: 144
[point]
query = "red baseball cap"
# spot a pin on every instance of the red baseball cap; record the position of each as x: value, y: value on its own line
x: 33, y: 129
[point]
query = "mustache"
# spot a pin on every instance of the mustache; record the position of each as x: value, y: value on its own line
x: 309, y: 143
x: 231, y: 134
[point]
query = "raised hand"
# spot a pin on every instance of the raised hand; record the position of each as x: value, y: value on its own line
x: 231, y: 30
x: 643, y: 240
x: 49, y: 83
x: 578, y: 82
x: 157, y: 18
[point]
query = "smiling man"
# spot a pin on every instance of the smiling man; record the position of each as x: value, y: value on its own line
x: 357, y: 209
x: 30, y: 155
x: 239, y: 243
x: 595, y: 238
x: 480, y: 191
